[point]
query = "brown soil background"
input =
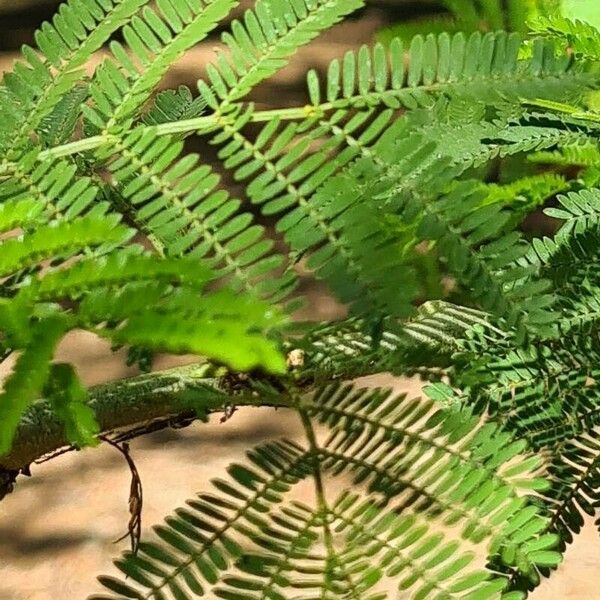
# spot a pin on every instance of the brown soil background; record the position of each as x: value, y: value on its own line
x: 57, y: 529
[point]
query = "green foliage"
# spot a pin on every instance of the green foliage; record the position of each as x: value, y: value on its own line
x: 583, y: 38
x: 422, y: 156
x: 263, y: 43
x: 174, y: 105
x: 36, y: 85
x: 583, y: 11
x: 69, y: 398
x: 83, y: 273
x: 473, y: 15
x: 247, y: 540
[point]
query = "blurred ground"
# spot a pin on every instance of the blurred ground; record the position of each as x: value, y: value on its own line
x: 57, y: 529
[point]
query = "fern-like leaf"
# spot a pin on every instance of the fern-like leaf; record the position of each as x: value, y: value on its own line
x: 178, y: 201
x: 155, y: 39
x: 261, y: 45
x: 581, y: 37
x: 36, y: 85
x: 55, y: 186
x: 29, y: 376
x: 575, y: 477
x: 250, y: 542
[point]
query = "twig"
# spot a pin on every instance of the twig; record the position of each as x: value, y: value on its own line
x: 136, y: 498
x: 128, y: 409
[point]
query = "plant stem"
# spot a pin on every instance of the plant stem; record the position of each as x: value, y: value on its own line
x: 322, y: 504
x: 76, y: 147
x: 314, y: 447
x: 130, y: 403
x: 207, y: 123
x: 197, y: 125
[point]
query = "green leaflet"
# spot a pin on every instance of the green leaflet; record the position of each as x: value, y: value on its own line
x: 29, y: 376
x: 121, y: 268
x: 54, y: 187
x: 14, y: 213
x: 352, y: 117
x: 575, y: 489
x: 58, y: 126
x: 68, y: 397
x: 582, y: 37
x: 223, y: 326
x: 457, y: 65
x: 179, y: 202
x: 174, y: 105
x: 60, y: 240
